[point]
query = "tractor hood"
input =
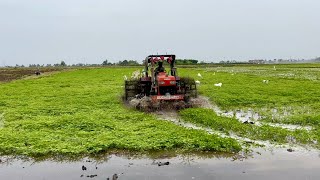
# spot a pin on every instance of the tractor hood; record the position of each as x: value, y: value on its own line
x: 165, y: 80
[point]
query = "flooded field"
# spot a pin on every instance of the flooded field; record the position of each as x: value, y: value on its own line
x: 80, y: 113
x: 262, y: 164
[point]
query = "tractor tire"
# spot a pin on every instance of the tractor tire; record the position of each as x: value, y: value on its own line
x: 190, y: 88
x: 132, y: 89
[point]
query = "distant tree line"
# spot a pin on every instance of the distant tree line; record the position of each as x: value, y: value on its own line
x: 104, y: 63
x: 279, y: 61
x: 177, y: 62
x: 61, y: 64
x: 186, y: 61
x: 128, y: 63
x: 121, y: 63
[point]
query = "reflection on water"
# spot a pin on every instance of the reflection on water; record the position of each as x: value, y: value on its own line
x: 263, y: 164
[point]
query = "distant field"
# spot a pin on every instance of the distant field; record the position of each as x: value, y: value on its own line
x: 9, y: 74
x: 80, y: 112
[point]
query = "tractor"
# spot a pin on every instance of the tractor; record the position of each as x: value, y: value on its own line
x: 158, y: 85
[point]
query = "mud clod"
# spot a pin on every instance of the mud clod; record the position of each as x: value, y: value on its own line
x: 248, y: 122
x: 92, y: 176
x: 163, y: 163
x: 290, y: 150
x: 83, y: 168
x: 147, y: 105
x: 115, y: 177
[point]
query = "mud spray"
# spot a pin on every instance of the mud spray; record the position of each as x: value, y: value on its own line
x: 147, y: 105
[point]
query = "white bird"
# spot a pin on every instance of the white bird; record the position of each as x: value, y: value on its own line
x: 199, y: 75
x: 125, y: 77
x: 197, y: 82
x: 143, y: 73
x: 265, y: 81
x: 218, y: 85
x: 135, y: 74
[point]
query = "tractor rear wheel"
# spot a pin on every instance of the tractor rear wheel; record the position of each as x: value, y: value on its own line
x: 132, y: 88
x: 190, y: 88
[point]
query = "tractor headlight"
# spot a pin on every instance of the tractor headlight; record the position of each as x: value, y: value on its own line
x: 161, y: 82
x: 172, y: 82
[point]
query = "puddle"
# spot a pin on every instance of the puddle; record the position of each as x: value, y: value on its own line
x: 242, y: 116
x: 250, y: 116
x: 173, y: 117
x: 288, y: 126
x: 247, y: 116
x: 279, y: 164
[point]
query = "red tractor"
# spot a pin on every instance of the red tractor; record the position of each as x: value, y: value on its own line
x: 160, y: 85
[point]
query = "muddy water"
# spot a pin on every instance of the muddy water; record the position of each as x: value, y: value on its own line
x: 278, y: 164
x: 249, y: 115
x: 173, y: 116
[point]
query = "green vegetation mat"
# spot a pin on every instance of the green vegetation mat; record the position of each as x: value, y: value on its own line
x: 81, y: 113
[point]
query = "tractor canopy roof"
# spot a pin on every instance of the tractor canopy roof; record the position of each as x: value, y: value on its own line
x: 170, y: 58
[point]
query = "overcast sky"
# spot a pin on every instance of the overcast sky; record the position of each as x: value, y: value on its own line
x: 90, y: 31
